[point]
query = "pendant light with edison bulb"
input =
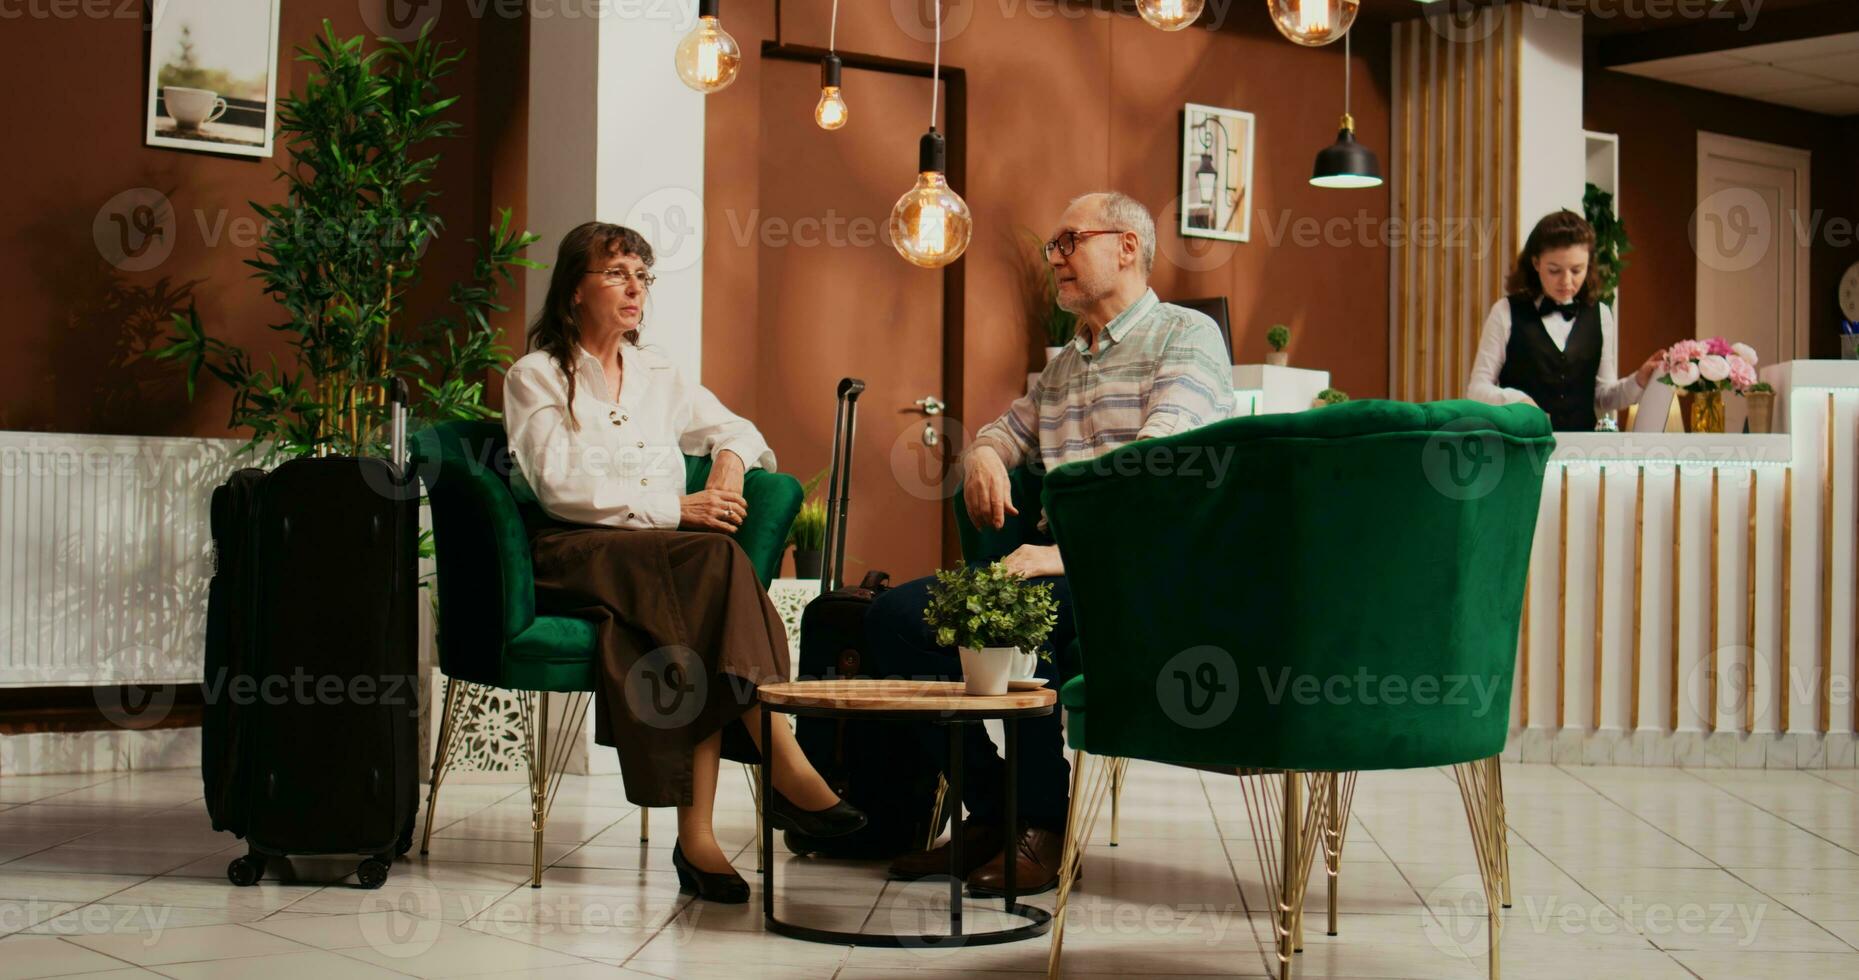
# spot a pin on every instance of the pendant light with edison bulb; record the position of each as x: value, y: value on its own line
x: 1170, y: 15
x: 931, y: 224
x: 1314, y: 23
x: 707, y: 57
x: 830, y: 112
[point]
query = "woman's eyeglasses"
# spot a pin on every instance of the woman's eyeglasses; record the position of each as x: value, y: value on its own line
x: 1067, y: 242
x: 617, y: 277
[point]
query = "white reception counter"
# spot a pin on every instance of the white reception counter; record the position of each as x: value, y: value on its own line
x: 1691, y: 596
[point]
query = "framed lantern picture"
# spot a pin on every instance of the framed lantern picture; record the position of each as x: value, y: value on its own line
x: 212, y: 75
x: 1216, y: 173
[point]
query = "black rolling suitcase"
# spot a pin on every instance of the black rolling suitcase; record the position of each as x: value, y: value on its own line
x: 309, y: 740
x: 876, y: 766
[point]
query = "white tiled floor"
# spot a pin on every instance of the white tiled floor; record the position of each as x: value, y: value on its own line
x: 1617, y: 873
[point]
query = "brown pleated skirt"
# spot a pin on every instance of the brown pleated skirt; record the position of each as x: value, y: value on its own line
x: 686, y: 634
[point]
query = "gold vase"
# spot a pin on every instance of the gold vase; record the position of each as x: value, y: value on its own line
x: 1705, y: 412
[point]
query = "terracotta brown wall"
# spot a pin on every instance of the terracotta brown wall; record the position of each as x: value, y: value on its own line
x: 1065, y: 100
x: 75, y: 322
x: 1658, y: 125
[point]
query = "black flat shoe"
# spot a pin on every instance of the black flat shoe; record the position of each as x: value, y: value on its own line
x: 724, y: 889
x: 838, y: 820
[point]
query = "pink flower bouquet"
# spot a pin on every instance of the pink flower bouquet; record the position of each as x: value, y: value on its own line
x: 1708, y: 365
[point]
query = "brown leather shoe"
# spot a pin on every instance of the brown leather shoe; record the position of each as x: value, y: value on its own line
x: 980, y: 843
x: 1038, y: 856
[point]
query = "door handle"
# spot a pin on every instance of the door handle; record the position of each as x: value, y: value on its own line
x: 930, y: 406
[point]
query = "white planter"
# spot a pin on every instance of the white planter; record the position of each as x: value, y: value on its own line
x: 1052, y: 352
x: 1278, y: 358
x: 986, y: 671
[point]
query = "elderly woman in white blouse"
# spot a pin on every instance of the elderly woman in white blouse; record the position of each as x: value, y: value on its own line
x: 599, y: 424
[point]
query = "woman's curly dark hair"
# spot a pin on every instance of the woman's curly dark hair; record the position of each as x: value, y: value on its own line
x: 558, y: 327
x: 1563, y: 229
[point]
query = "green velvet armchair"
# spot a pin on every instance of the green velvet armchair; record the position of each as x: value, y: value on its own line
x: 489, y: 632
x: 1226, y: 613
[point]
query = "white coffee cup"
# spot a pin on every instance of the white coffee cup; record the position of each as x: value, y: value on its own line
x: 1025, y: 666
x: 192, y: 107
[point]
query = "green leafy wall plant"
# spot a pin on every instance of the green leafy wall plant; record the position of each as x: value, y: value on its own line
x: 1610, y: 241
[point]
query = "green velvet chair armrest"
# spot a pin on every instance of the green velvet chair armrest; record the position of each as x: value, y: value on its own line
x: 983, y: 545
x: 774, y: 500
x: 1376, y: 550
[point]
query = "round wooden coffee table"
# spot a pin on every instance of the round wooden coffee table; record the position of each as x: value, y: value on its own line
x: 935, y: 702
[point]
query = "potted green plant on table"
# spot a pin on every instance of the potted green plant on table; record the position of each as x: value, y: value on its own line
x: 997, y: 619
x: 807, y: 535
x: 1329, y: 396
x: 1760, y: 402
x: 1278, y: 338
x: 340, y: 254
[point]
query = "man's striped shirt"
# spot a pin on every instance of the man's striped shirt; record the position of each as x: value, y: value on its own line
x: 1159, y: 369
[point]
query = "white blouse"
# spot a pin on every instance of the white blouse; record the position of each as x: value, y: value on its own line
x: 1611, y: 392
x: 624, y: 465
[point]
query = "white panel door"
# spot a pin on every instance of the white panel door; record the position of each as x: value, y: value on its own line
x: 1749, y: 232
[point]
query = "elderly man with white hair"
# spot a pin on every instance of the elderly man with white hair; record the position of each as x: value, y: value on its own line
x: 1138, y: 368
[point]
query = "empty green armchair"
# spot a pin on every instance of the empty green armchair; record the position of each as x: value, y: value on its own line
x: 1293, y: 598
x: 489, y: 632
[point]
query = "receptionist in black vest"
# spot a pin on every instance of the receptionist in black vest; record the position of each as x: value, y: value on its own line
x: 1551, y: 343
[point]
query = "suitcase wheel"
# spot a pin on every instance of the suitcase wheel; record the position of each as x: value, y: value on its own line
x: 371, y: 873
x: 245, y: 871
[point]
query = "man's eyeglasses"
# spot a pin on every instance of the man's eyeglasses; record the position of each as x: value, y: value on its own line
x: 617, y: 277
x: 1067, y: 242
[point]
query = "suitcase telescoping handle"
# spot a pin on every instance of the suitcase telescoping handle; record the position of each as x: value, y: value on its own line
x: 839, y: 483
x: 397, y: 426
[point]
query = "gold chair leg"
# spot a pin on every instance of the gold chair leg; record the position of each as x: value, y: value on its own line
x: 548, y: 762
x: 1341, y: 795
x: 1476, y: 789
x: 449, y: 727
x: 935, y: 821
x: 1291, y: 904
x: 1286, y: 830
x: 1087, y: 799
x: 645, y: 825
x: 1116, y: 797
x: 1503, y: 827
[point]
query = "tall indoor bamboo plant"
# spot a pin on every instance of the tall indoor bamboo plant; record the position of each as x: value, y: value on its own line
x: 342, y: 251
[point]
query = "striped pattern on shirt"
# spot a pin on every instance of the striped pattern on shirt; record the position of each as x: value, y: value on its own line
x: 1159, y: 369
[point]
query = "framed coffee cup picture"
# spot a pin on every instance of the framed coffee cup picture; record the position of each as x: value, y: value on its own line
x: 213, y: 75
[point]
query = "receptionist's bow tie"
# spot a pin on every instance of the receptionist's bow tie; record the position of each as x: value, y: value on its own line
x: 1548, y: 306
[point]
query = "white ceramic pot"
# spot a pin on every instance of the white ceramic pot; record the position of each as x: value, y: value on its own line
x: 1278, y: 358
x: 986, y: 671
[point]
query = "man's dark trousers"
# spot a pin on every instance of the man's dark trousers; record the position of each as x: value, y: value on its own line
x: 901, y: 645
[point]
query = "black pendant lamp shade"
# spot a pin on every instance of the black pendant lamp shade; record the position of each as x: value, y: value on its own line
x: 1346, y: 163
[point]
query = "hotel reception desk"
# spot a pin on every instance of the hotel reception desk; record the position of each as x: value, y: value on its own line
x: 1691, y: 597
